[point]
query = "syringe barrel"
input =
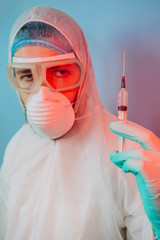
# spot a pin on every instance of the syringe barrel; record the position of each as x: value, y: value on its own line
x: 122, y: 104
x: 123, y: 97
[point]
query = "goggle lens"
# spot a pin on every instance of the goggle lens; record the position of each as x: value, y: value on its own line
x: 64, y: 76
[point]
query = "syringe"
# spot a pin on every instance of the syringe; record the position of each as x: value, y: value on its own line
x: 122, y: 104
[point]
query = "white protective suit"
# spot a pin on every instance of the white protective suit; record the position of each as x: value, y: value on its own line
x: 68, y: 189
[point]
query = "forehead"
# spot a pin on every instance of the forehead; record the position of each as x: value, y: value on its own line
x: 35, y: 51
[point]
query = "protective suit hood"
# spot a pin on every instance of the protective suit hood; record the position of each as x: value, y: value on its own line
x: 88, y: 97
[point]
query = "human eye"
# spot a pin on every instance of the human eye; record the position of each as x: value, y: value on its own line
x: 24, y: 77
x: 60, y: 76
x: 27, y: 78
x: 60, y: 73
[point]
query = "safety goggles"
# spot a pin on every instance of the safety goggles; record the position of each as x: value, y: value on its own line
x: 59, y: 73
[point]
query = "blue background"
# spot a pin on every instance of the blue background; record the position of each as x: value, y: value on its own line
x: 109, y: 26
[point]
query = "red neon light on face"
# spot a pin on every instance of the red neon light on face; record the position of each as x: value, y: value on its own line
x: 63, y: 76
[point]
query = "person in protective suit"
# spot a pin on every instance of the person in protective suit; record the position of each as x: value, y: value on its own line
x: 57, y: 181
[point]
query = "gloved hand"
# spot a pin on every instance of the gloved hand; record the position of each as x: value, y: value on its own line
x: 144, y: 163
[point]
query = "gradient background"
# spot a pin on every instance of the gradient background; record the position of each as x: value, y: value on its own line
x: 109, y: 26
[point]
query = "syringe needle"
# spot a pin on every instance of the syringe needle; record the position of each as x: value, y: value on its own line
x: 124, y: 63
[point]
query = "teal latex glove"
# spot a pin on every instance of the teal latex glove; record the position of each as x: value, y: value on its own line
x: 144, y: 163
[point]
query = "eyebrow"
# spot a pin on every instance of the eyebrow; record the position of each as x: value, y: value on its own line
x: 54, y: 67
x: 20, y: 71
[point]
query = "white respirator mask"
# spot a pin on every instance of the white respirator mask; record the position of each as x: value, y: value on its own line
x: 49, y: 113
